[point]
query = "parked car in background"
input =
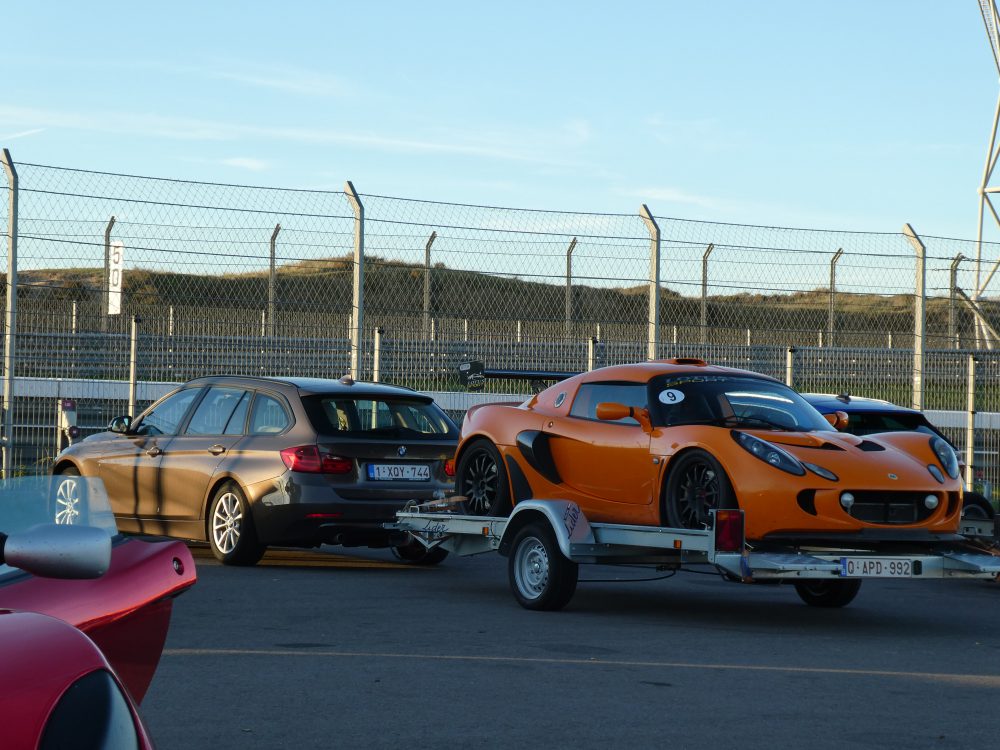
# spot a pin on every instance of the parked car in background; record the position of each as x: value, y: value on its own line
x: 666, y: 442
x: 868, y: 416
x: 84, y: 616
x: 246, y: 462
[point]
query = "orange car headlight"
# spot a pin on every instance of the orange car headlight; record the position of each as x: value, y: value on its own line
x: 769, y: 453
x: 946, y: 455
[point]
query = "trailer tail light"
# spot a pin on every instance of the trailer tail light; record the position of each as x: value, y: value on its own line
x: 449, y: 467
x: 308, y: 459
x: 729, y: 531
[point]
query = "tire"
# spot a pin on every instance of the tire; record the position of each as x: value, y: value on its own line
x: 697, y: 483
x: 540, y: 576
x: 976, y: 506
x: 68, y: 503
x: 482, y: 479
x: 231, y: 532
x: 414, y: 553
x: 832, y: 593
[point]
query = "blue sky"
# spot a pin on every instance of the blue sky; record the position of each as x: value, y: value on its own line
x: 850, y: 115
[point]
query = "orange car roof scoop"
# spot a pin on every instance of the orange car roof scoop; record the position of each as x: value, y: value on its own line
x: 685, y: 361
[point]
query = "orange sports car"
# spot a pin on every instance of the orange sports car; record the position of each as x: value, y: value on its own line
x: 664, y: 442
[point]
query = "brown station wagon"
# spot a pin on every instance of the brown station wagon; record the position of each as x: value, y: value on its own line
x: 246, y: 462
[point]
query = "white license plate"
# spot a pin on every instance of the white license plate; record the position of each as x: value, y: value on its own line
x: 875, y: 567
x: 399, y: 472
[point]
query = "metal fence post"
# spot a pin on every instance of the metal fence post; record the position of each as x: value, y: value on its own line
x: 106, y: 284
x: 377, y: 355
x: 970, y: 423
x: 591, y: 352
x: 790, y: 366
x: 919, y: 315
x: 704, y: 292
x: 952, y: 285
x: 653, y: 334
x: 133, y: 366
x: 272, y: 280
x: 833, y: 294
x: 358, y: 289
x: 427, y: 284
x: 569, y: 286
x: 10, y: 324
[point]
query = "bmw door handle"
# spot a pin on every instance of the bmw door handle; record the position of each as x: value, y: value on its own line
x: 153, y: 452
x: 217, y: 449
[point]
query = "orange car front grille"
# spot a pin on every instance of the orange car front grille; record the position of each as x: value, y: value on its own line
x: 890, y: 508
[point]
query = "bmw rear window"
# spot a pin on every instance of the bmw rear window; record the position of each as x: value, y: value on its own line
x: 378, y: 417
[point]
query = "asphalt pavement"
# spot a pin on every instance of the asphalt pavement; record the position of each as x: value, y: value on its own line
x: 349, y: 649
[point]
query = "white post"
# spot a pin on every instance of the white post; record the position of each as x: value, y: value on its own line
x: 591, y: 353
x: 569, y: 287
x: 272, y: 280
x: 10, y: 330
x: 919, y: 316
x: 970, y: 423
x: 653, y: 326
x: 358, y: 287
x: 790, y: 366
x: 427, y: 283
x: 133, y: 366
x: 377, y: 356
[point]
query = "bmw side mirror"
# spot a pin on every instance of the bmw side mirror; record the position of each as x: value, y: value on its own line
x: 120, y: 425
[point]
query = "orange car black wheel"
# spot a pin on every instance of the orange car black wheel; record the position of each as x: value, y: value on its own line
x: 482, y: 479
x: 697, y: 484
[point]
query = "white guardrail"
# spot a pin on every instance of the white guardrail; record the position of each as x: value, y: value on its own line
x: 81, y: 388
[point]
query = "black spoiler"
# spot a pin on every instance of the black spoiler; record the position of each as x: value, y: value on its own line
x: 473, y: 376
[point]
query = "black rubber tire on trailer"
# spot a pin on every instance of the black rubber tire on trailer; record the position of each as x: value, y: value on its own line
x: 414, y: 553
x: 696, y: 484
x: 481, y: 478
x: 541, y: 578
x: 977, y: 506
x: 68, y: 499
x: 828, y: 593
x: 231, y: 533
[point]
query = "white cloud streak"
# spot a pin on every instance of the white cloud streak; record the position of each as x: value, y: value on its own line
x: 191, y: 129
x: 22, y: 134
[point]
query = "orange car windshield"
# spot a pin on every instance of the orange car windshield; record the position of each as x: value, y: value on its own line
x: 732, y: 401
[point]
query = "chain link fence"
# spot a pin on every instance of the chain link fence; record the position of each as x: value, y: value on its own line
x: 254, y: 280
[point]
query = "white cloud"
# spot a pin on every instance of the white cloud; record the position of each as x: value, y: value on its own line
x: 246, y: 162
x: 191, y: 129
x: 22, y: 134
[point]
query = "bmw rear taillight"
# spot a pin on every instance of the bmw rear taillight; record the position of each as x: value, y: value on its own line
x: 449, y: 467
x: 308, y: 459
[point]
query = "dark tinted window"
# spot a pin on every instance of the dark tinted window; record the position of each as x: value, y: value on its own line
x: 378, y: 417
x: 733, y: 401
x: 873, y: 422
x: 237, y: 422
x: 592, y: 394
x: 269, y: 416
x: 216, y: 410
x: 167, y: 416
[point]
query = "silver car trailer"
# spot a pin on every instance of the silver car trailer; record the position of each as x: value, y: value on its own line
x: 546, y: 541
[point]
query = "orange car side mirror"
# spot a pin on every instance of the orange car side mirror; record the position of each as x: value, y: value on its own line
x: 612, y: 412
x: 837, y: 419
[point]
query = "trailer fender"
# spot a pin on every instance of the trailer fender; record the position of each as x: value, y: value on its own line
x: 567, y: 521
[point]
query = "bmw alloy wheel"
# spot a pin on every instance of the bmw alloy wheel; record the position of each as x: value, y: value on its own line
x: 226, y: 523
x: 67, y: 501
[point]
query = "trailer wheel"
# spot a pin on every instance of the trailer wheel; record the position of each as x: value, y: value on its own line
x: 540, y: 576
x: 833, y: 593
